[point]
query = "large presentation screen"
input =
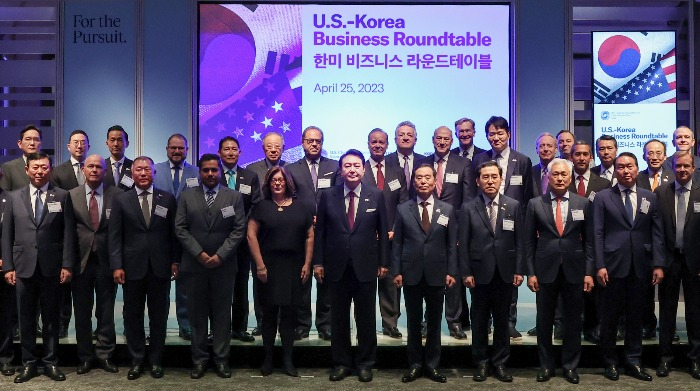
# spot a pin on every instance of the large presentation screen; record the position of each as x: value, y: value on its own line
x: 348, y: 69
x: 634, y: 87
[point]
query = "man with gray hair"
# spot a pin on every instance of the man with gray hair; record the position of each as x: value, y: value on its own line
x: 546, y: 147
x: 405, y: 157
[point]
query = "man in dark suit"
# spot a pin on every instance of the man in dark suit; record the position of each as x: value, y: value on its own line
x: 313, y: 175
x: 628, y: 234
x: 15, y: 176
x: 546, y: 149
x: 92, y: 277
x: 38, y: 254
x: 684, y: 140
x: 391, y: 181
x: 464, y: 131
x: 210, y: 224
x: 680, y: 210
x: 455, y: 185
x: 118, y: 166
x: 245, y: 182
x: 565, y: 141
x: 606, y: 148
x: 175, y: 175
x: 559, y: 253
x: 351, y: 249
x: 424, y: 261
x: 143, y: 256
x: 491, y: 263
x: 516, y: 182
x: 405, y: 156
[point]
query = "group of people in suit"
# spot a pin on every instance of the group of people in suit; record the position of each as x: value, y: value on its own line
x: 591, y: 242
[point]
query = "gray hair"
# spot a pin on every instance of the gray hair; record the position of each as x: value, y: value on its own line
x: 557, y: 160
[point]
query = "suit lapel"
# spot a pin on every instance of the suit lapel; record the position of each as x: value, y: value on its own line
x: 437, y: 210
x: 481, y: 210
x: 81, y: 208
x: 135, y: 200
x: 339, y: 200
x: 26, y: 197
x: 369, y: 174
x: 413, y: 206
x: 512, y: 161
x: 106, y: 204
x: 361, y: 208
x: 547, y: 206
x: 616, y: 198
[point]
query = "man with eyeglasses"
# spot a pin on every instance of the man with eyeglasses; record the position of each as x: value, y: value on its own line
x: 15, y: 173
x: 312, y: 175
x: 464, y: 131
x: 175, y: 175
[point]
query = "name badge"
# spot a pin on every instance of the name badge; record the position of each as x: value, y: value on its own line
x: 245, y: 189
x: 161, y: 211
x: 644, y: 208
x: 591, y: 196
x: 228, y: 211
x: 108, y: 212
x: 192, y: 182
x: 394, y: 185
x: 508, y: 225
x: 127, y: 181
x: 443, y: 220
x: 451, y: 177
x: 577, y: 214
x: 516, y: 180
x: 696, y: 207
x: 54, y: 207
x: 324, y: 183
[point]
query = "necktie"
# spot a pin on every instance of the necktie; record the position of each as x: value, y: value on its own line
x: 94, y: 212
x: 559, y: 221
x: 440, y: 177
x: 581, y: 187
x: 628, y: 206
x: 231, y: 183
x: 680, y: 217
x: 424, y: 219
x: 116, y: 173
x: 176, y: 180
x: 406, y: 169
x: 145, y: 209
x: 79, y: 173
x: 493, y: 214
x: 380, y: 177
x: 545, y: 181
x: 351, y: 209
x: 465, y: 153
x: 210, y: 197
x: 38, y: 207
x: 499, y: 159
x: 314, y: 174
x: 655, y: 184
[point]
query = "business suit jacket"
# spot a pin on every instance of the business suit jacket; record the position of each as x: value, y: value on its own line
x: 545, y: 249
x: 460, y: 191
x: 48, y: 243
x: 416, y: 254
x: 133, y: 245
x: 63, y: 176
x: 299, y: 170
x: 366, y: 246
x: 15, y: 174
x: 619, y: 243
x: 86, y: 234
x: 392, y: 198
x: 163, y: 178
x: 457, y: 151
x: 247, y: 178
x: 125, y: 169
x: 518, y: 164
x: 537, y: 179
x: 392, y: 159
x: 667, y: 177
x: 691, y: 230
x: 485, y: 249
x: 260, y: 169
x: 200, y: 228
x: 595, y: 185
x: 667, y: 166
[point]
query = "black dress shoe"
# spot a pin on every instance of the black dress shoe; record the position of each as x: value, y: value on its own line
x: 198, y: 371
x: 300, y: 334
x: 456, y: 331
x: 338, y: 374
x: 663, y: 369
x: 611, y: 373
x: 638, y: 372
x: 648, y: 333
x: 107, y: 365
x: 557, y: 333
x: 532, y: 332
x: 54, y: 373
x: 513, y: 333
x: 435, y: 376
x: 365, y: 375
x: 157, y: 371
x: 256, y: 332
x: 290, y: 370
x: 242, y: 336
x: 7, y: 369
x: 676, y: 337
x: 26, y: 374
x: 411, y: 375
x: 84, y: 368
x: 325, y: 334
x: 424, y: 330
x: 571, y: 376
x: 501, y: 373
x: 185, y: 334
x: 392, y: 332
x: 135, y: 372
x: 544, y: 375
x: 591, y: 337
x: 482, y: 372
x: 223, y: 370
x: 63, y: 332
x: 694, y: 370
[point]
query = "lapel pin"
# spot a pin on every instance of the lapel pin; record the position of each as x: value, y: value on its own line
x: 366, y: 199
x: 515, y: 160
x: 437, y: 211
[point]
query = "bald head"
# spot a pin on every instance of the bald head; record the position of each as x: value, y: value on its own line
x: 94, y: 171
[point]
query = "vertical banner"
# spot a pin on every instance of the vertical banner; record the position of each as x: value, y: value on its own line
x: 634, y: 87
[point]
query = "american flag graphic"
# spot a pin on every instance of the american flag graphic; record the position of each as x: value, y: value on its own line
x: 655, y: 84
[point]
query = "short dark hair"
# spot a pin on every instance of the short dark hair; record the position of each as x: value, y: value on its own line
x: 208, y: 157
x: 424, y: 164
x: 353, y: 152
x: 652, y: 141
x: 678, y: 154
x: 377, y: 130
x: 289, y: 188
x: 498, y: 123
x: 38, y: 156
x: 180, y: 136
x: 489, y: 163
x: 119, y: 128
x: 463, y: 120
x: 303, y: 133
x: 228, y: 138
x: 605, y: 137
x: 627, y: 154
x: 78, y: 131
x: 28, y: 128
x: 145, y: 158
x: 565, y: 131
x: 581, y: 142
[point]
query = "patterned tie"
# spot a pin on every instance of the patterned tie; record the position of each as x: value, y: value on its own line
x: 655, y: 184
x: 314, y: 174
x: 176, y: 180
x: 210, y: 197
x: 145, y: 209
x: 440, y: 176
x: 351, y: 209
x: 231, y: 183
x: 680, y: 217
x: 424, y: 219
x: 94, y: 212
x: 545, y: 181
x: 493, y: 214
x: 380, y: 177
x: 115, y: 173
x: 406, y: 169
x: 559, y: 221
x: 581, y: 187
x: 628, y: 206
x: 79, y: 173
x: 38, y: 207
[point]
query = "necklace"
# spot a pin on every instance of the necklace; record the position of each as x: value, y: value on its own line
x: 280, y: 205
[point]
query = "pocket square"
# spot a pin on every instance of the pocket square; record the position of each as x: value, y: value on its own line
x: 370, y: 210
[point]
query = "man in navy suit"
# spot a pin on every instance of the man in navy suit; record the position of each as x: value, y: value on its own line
x: 516, y: 181
x: 606, y: 148
x: 491, y: 263
x: 118, y: 166
x: 684, y: 140
x: 405, y: 157
x: 38, y: 255
x: 559, y: 253
x: 313, y: 175
x: 464, y: 131
x: 424, y: 261
x: 629, y: 243
x: 351, y: 249
x: 15, y: 174
x: 391, y: 181
x: 546, y: 147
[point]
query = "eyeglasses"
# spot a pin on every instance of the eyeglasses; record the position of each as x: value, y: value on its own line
x: 313, y: 141
x: 277, y: 180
